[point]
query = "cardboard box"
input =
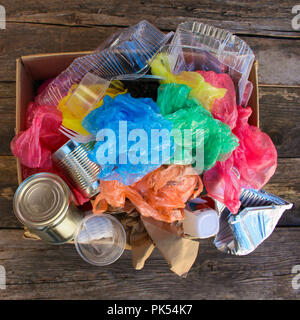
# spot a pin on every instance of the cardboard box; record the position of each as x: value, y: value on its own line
x: 44, y: 66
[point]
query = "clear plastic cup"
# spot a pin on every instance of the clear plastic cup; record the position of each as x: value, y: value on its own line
x: 84, y: 98
x: 100, y: 239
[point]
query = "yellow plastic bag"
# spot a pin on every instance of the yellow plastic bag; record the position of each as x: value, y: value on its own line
x: 204, y: 92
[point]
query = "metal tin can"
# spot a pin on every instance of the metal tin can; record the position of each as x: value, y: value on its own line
x: 72, y: 160
x: 44, y: 204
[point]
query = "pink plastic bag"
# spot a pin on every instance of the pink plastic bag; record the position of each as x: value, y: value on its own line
x: 224, y: 109
x: 223, y: 184
x: 256, y: 157
x: 34, y: 145
x: 41, y: 138
x: 251, y: 165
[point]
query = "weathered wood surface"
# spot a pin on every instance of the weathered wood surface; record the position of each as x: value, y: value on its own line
x: 245, y: 17
x: 36, y: 270
x: 21, y: 39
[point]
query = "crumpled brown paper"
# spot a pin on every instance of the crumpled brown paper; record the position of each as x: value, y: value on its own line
x: 180, y: 253
x: 143, y: 234
x: 138, y: 240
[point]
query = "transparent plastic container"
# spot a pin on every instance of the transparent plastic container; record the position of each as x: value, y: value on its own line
x: 127, y: 52
x: 198, y: 46
x: 100, y: 239
x: 84, y: 98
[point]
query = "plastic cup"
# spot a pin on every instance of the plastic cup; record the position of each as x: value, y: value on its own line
x: 100, y: 239
x: 84, y: 98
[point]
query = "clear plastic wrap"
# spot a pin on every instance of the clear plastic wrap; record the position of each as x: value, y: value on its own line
x: 127, y: 52
x: 242, y: 233
x: 198, y: 46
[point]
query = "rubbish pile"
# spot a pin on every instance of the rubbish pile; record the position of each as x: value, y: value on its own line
x: 146, y: 142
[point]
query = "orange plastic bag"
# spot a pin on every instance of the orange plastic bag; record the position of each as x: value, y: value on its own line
x: 161, y: 194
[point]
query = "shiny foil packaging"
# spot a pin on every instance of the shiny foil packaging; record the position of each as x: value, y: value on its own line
x: 242, y: 233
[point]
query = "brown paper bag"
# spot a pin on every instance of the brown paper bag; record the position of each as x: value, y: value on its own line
x: 138, y: 240
x: 180, y: 253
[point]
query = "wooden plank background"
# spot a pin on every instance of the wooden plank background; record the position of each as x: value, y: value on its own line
x: 36, y: 270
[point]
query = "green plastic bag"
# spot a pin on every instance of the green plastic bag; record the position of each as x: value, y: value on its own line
x: 172, y: 97
x: 194, y: 128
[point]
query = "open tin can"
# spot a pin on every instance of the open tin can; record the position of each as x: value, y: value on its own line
x: 45, y: 205
x: 72, y: 160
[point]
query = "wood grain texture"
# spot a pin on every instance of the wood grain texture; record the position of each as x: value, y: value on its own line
x: 283, y: 53
x: 285, y: 183
x: 35, y: 270
x: 280, y: 118
x: 244, y: 17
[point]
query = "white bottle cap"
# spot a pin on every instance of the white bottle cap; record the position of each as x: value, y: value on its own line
x: 208, y: 224
x: 201, y: 224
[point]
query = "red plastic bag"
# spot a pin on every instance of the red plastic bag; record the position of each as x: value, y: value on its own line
x: 35, y: 145
x: 223, y: 184
x: 251, y: 164
x: 224, y: 109
x: 256, y: 156
x: 41, y: 138
x: 161, y: 194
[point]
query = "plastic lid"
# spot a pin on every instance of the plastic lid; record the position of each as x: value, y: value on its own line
x: 41, y: 199
x: 208, y: 224
x: 100, y: 239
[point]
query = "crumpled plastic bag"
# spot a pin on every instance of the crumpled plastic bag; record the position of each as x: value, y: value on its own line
x: 210, y: 135
x: 256, y: 157
x: 223, y: 109
x: 161, y: 194
x: 215, y: 92
x: 203, y: 91
x: 125, y: 149
x: 72, y: 121
x: 251, y: 165
x: 172, y: 97
x: 223, y: 183
x: 35, y: 145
